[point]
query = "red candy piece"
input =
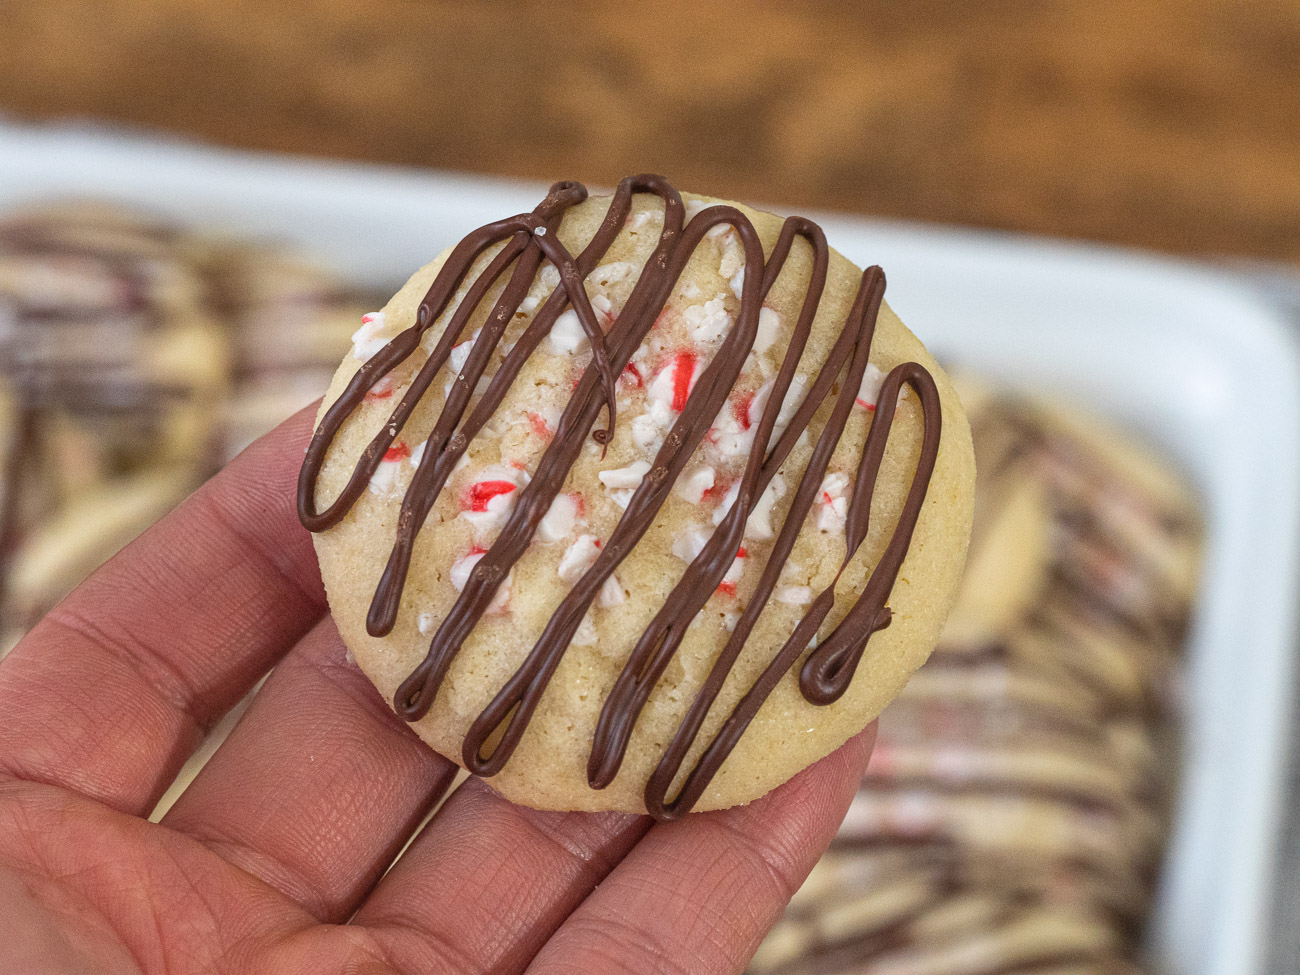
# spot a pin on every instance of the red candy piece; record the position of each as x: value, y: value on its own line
x: 633, y: 376
x: 397, y: 451
x: 727, y: 588
x: 683, y: 372
x: 869, y: 407
x: 482, y: 492
x: 539, y: 425
x: 741, y: 410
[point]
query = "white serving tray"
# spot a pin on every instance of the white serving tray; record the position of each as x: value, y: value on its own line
x: 1180, y: 354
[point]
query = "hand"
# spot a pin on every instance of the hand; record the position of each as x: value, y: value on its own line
x: 274, y: 859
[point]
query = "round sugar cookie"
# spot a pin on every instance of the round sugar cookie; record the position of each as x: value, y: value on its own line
x: 688, y: 611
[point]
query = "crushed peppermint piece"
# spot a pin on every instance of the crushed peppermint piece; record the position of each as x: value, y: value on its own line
x: 463, y: 567
x: 611, y: 593
x: 543, y: 422
x: 869, y: 391
x: 737, y: 283
x: 729, y: 620
x: 769, y: 327
x: 689, y: 544
x: 611, y: 273
x: 560, y: 517
x: 566, y: 336
x: 397, y: 451
x: 646, y: 432
x: 383, y: 388
x: 424, y: 623
x: 631, y: 376
x: 707, y: 323
x: 672, y: 386
x: 625, y: 477
x: 794, y: 595
x: 832, y: 503
x: 759, y: 525
x: 578, y: 558
x: 481, y: 493
x: 603, y: 307
x: 585, y: 635
x: 732, y: 261
x: 366, y: 340
x: 696, y: 485
x: 728, y: 584
x: 693, y: 208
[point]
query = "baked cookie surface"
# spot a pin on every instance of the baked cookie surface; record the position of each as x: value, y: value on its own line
x: 625, y: 622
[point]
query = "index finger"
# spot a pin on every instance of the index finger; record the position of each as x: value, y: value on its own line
x: 113, y: 689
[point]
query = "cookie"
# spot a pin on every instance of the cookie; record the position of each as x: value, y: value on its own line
x: 657, y: 548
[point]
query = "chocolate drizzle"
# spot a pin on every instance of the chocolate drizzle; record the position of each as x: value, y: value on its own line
x: 530, y: 238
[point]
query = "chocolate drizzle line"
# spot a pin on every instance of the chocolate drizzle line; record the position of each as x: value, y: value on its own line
x: 528, y: 239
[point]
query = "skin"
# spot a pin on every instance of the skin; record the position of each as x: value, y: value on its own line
x: 274, y: 859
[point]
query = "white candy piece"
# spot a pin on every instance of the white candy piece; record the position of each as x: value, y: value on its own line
x: 646, y: 432
x: 794, y: 595
x: 383, y: 481
x: 693, y: 207
x: 621, y: 498
x: 578, y: 558
x: 566, y: 336
x: 529, y: 304
x: 585, y: 635
x: 366, y: 340
x: 462, y: 567
x: 560, y: 518
x: 769, y: 327
x: 707, y: 323
x: 733, y: 253
x: 460, y: 573
x: 611, y: 593
x: 641, y: 219
x: 735, y: 571
x: 689, y: 544
x: 794, y: 397
x: 602, y: 306
x: 459, y: 354
x: 729, y: 620
x: 759, y: 525
x: 613, y: 272
x: 625, y: 477
x: 417, y: 453
x: 832, y: 504
x: 737, y: 284
x: 424, y: 623
x: 662, y: 391
x: 695, y: 485
x: 869, y: 391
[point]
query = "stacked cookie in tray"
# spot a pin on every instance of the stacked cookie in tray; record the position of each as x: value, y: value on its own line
x: 135, y: 357
x: 1015, y: 809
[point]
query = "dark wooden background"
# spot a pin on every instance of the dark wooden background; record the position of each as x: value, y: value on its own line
x: 1172, y: 124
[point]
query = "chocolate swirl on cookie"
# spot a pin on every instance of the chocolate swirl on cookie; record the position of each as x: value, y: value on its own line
x: 528, y: 239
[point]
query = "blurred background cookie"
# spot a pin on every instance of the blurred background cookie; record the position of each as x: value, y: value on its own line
x: 1015, y: 808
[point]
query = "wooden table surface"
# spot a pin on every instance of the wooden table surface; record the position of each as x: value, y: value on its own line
x: 1172, y: 124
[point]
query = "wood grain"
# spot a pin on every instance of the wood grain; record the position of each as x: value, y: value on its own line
x: 1169, y: 123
